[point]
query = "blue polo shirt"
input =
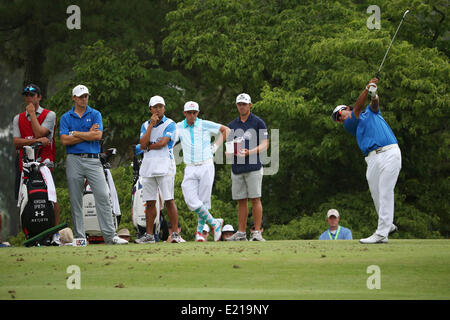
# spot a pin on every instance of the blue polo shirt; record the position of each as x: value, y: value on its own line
x: 344, y: 234
x: 70, y: 121
x: 371, y: 130
x: 254, y: 131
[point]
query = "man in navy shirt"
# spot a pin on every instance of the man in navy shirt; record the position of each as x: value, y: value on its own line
x: 382, y: 154
x: 250, y: 137
x: 81, y: 129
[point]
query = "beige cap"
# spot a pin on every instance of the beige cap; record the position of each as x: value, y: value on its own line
x: 123, y: 232
x: 66, y: 235
x: 333, y: 212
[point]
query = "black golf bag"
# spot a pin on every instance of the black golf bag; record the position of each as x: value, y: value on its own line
x: 90, y: 219
x: 36, y: 210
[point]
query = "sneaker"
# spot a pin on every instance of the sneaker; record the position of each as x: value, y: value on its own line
x: 375, y: 238
x: 238, y: 236
x: 199, y: 237
x: 217, y: 225
x: 176, y: 237
x: 119, y: 240
x: 256, y: 236
x: 146, y: 238
x: 393, y: 229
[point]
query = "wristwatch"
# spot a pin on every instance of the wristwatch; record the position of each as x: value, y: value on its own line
x: 71, y: 133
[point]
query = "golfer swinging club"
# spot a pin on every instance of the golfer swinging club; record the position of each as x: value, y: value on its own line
x: 382, y: 154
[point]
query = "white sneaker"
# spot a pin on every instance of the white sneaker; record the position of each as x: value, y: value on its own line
x: 218, y: 224
x: 145, y: 238
x: 393, y: 229
x: 199, y: 237
x: 238, y: 236
x: 256, y: 236
x: 375, y: 238
x: 119, y: 240
x: 175, y: 238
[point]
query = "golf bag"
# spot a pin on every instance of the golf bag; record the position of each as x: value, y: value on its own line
x: 36, y: 210
x: 90, y: 219
x: 160, y: 229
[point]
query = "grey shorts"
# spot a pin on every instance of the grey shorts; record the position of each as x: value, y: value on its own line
x: 246, y: 185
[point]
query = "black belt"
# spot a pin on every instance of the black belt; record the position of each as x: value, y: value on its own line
x: 86, y: 155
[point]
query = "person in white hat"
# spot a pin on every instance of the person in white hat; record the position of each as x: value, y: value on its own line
x: 195, y: 135
x: 382, y: 154
x: 157, y: 140
x: 227, y: 231
x: 250, y: 137
x: 81, y: 130
x: 205, y: 232
x: 335, y: 231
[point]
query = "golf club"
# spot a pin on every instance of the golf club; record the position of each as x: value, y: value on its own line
x: 382, y: 62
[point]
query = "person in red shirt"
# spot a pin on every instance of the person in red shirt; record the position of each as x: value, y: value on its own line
x: 35, y: 124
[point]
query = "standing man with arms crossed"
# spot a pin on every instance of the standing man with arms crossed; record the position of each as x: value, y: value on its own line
x: 35, y: 124
x: 198, y: 153
x: 157, y: 139
x: 246, y: 169
x: 81, y: 129
x: 382, y: 154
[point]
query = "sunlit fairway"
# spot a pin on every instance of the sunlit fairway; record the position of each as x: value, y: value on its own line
x: 301, y: 269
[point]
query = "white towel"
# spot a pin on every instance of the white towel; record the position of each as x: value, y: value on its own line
x: 113, y: 192
x: 51, y: 190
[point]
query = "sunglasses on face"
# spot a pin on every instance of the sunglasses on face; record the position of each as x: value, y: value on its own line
x: 28, y: 94
x: 30, y: 89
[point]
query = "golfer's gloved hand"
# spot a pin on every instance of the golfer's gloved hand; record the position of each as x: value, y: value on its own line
x: 214, y: 148
x: 372, y: 89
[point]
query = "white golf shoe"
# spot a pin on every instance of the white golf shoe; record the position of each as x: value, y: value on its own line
x: 375, y: 238
x: 393, y: 229
x: 119, y: 240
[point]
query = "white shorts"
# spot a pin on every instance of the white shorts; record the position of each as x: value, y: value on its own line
x: 150, y: 187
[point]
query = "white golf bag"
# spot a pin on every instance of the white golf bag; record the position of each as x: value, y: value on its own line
x: 90, y: 219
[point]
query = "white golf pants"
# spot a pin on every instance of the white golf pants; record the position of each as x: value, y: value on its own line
x: 197, y: 185
x: 382, y: 173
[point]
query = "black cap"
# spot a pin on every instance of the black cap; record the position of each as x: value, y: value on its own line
x: 32, y: 88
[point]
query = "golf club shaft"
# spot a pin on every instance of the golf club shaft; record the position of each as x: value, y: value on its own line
x: 387, y: 51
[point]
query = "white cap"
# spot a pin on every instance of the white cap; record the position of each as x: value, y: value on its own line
x: 191, y: 106
x: 227, y: 227
x: 156, y: 100
x: 336, y: 111
x: 243, y: 97
x: 206, y: 228
x: 333, y: 212
x: 79, y: 90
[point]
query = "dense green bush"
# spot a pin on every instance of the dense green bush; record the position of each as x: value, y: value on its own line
x: 357, y: 213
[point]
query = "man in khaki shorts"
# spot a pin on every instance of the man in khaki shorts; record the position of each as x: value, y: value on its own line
x: 250, y: 138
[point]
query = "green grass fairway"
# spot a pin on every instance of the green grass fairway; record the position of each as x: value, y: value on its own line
x: 302, y: 269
